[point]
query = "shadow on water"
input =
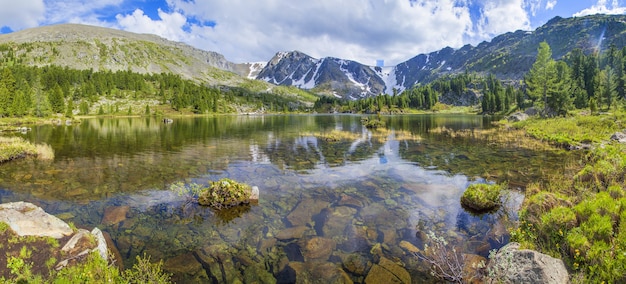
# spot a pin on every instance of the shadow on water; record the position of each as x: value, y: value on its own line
x: 334, y: 196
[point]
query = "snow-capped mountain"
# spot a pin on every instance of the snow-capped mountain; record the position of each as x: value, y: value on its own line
x: 348, y: 78
x: 508, y: 56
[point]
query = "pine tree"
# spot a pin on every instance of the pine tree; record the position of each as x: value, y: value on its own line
x: 69, y: 113
x: 542, y: 76
x: 55, y: 96
x: 83, y: 108
x: 7, y: 89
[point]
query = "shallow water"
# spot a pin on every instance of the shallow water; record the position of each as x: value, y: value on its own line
x: 326, y: 204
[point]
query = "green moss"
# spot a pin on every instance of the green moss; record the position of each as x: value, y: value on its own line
x: 224, y: 193
x: 482, y: 197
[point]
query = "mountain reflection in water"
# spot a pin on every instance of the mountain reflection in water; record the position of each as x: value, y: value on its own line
x: 335, y: 196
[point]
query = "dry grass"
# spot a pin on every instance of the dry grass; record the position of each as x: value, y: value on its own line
x: 379, y: 135
x: 12, y: 148
x: 515, y: 138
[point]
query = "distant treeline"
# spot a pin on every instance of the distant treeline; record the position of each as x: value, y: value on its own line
x: 577, y: 81
x: 42, y: 91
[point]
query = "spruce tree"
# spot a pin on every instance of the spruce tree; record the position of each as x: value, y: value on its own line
x: 55, y: 96
x: 542, y: 76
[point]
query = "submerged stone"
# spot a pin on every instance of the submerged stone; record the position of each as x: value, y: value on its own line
x: 292, y: 233
x: 318, y: 248
x: 114, y: 214
x: 386, y: 271
x: 303, y: 213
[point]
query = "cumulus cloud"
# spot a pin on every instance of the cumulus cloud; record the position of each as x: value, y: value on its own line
x: 393, y: 30
x: 170, y: 26
x: 603, y: 7
x: 500, y: 16
x: 78, y: 11
x: 351, y: 29
x: 21, y: 14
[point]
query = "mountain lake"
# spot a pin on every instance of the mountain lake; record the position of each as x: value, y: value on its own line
x: 336, y: 199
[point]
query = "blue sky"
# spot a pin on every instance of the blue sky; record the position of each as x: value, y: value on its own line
x: 254, y: 30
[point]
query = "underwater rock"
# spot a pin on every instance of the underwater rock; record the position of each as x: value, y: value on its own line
x: 318, y: 248
x: 303, y: 213
x: 386, y: 271
x: 27, y: 219
x: 355, y: 263
x: 114, y: 214
x: 472, y: 266
x: 338, y: 220
x: 349, y: 200
x: 258, y: 274
x: 409, y: 247
x: 186, y: 269
x: 292, y: 233
x: 318, y: 273
x: 218, y: 263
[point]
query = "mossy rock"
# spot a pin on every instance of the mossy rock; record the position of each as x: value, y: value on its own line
x: 482, y: 197
x: 224, y: 193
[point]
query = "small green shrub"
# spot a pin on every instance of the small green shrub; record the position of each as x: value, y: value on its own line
x: 146, y: 272
x: 559, y: 218
x: 598, y: 227
x: 482, y: 197
x: 602, y: 204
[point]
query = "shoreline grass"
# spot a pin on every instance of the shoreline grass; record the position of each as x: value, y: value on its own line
x: 12, y: 148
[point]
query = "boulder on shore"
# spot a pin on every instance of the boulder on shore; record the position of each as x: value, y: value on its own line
x: 27, y: 219
x: 620, y: 137
x: 514, y: 265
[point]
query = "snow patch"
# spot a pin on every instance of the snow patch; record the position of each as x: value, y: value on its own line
x: 255, y: 68
x: 389, y: 76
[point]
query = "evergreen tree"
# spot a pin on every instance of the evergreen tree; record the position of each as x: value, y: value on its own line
x: 69, y: 113
x: 559, y: 99
x: 7, y: 89
x: 41, y: 104
x: 19, y: 106
x: 608, y: 87
x: 542, y: 76
x: 55, y: 96
x: 83, y: 107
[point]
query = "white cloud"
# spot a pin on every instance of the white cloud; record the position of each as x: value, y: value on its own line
x: 170, y: 26
x: 351, y: 29
x: 500, y: 16
x: 393, y: 30
x: 603, y: 7
x: 21, y: 14
x: 77, y: 11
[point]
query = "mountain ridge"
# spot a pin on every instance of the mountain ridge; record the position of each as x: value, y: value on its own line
x: 508, y: 56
